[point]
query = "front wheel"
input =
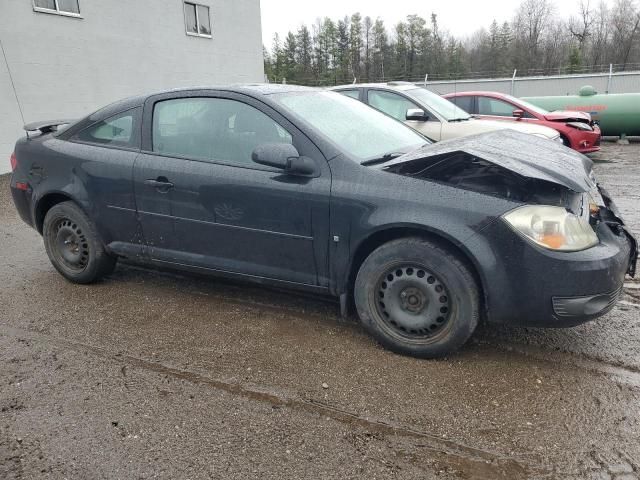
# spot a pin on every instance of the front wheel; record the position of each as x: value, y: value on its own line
x: 417, y: 298
x: 73, y: 245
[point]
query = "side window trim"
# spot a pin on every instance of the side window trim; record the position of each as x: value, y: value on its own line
x: 136, y: 132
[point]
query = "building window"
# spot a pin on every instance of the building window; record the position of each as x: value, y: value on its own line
x: 61, y: 7
x: 197, y: 20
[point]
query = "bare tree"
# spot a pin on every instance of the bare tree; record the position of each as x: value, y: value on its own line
x: 625, y: 24
x: 601, y: 33
x: 580, y: 26
x: 532, y: 22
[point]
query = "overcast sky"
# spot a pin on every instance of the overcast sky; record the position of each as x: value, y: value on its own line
x: 459, y: 17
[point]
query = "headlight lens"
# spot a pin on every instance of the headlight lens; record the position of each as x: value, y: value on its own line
x: 552, y: 227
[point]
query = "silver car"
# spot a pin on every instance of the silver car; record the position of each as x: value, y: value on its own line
x: 430, y: 114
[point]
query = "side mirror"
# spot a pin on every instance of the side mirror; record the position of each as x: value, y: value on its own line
x: 518, y: 113
x: 283, y: 156
x: 417, y: 114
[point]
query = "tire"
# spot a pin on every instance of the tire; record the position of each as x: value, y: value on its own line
x: 565, y: 141
x: 417, y: 298
x: 73, y: 245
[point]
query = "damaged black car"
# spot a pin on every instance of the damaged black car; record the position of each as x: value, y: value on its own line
x: 315, y: 191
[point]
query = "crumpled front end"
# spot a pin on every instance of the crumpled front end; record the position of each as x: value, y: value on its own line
x: 527, y: 285
x: 528, y: 280
x: 608, y: 213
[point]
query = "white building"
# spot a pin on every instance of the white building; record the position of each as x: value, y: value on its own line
x: 66, y: 58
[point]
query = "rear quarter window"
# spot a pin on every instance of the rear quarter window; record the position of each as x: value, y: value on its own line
x: 120, y: 130
x: 350, y: 93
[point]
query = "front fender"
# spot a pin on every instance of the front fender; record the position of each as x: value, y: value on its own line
x: 365, y: 217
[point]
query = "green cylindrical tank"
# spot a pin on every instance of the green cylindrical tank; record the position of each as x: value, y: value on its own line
x: 618, y: 114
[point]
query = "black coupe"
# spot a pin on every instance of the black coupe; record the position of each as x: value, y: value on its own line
x: 312, y: 190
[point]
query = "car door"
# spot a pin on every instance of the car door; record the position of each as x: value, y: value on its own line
x: 396, y: 106
x: 202, y: 201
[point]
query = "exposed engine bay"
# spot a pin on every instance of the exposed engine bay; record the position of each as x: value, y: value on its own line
x: 469, y: 172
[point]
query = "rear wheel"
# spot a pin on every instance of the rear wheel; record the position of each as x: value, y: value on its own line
x: 73, y: 245
x: 417, y: 298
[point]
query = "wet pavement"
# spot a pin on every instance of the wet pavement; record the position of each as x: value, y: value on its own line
x: 152, y: 374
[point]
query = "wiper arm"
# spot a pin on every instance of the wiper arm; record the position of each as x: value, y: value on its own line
x: 461, y: 119
x: 382, y: 159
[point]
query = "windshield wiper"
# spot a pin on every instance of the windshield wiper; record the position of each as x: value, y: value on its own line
x: 382, y: 159
x: 461, y: 119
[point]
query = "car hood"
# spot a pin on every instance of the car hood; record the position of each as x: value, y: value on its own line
x: 567, y: 116
x: 526, y: 155
x: 476, y: 125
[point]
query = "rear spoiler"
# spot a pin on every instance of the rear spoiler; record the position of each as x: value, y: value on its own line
x: 46, y: 126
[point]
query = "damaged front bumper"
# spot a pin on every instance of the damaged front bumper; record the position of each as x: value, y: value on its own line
x: 534, y: 287
x: 526, y: 285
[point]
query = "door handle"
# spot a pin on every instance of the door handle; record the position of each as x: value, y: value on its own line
x: 161, y: 184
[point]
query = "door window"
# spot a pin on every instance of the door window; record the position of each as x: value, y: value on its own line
x: 391, y: 103
x: 213, y: 129
x: 119, y: 130
x: 465, y: 103
x: 492, y: 106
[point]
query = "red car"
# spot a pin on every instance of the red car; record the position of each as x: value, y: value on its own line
x: 576, y: 128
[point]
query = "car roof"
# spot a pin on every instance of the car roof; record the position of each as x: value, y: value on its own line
x: 484, y: 93
x: 253, y: 89
x: 399, y: 86
x: 249, y: 88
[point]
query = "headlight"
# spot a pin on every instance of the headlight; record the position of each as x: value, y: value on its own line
x: 581, y: 126
x: 552, y: 227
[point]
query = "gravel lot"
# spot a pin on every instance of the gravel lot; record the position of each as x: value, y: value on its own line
x: 161, y: 375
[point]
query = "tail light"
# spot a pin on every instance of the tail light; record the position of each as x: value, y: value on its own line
x: 14, y: 161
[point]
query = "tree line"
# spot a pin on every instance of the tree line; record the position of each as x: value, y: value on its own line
x: 534, y: 41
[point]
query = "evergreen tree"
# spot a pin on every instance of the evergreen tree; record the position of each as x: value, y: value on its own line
x: 355, y: 38
x: 343, y: 52
x: 304, y: 52
x: 380, y: 49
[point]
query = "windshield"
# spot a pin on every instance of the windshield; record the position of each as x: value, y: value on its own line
x: 358, y: 130
x: 443, y: 107
x: 527, y: 105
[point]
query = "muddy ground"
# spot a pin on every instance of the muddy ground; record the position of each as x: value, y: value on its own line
x: 161, y: 375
